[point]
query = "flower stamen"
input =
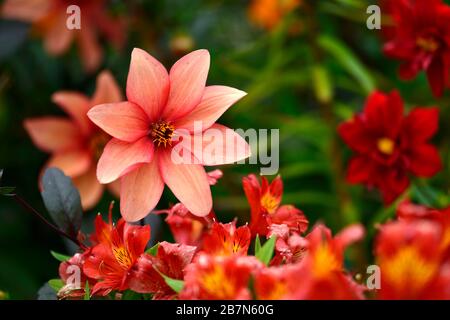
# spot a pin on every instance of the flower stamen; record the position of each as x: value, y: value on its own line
x: 162, y: 132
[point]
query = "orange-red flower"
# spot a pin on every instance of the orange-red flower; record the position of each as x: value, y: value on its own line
x: 265, y: 200
x: 321, y: 273
x: 226, y: 239
x: 268, y: 13
x: 420, y: 39
x: 161, y: 112
x: 276, y: 283
x: 76, y: 143
x: 49, y: 17
x: 409, y: 255
x: 170, y: 260
x: 219, y: 277
x: 389, y: 146
x: 116, y: 254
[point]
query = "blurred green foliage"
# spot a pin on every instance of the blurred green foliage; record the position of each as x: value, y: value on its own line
x: 303, y: 83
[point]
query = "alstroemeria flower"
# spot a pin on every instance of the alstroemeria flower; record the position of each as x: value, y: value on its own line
x: 389, y: 146
x: 420, y: 38
x: 290, y: 247
x: 219, y: 277
x: 170, y: 260
x: 226, y: 239
x: 162, y: 111
x: 265, y: 200
x: 111, y: 260
x: 321, y: 271
x: 268, y: 13
x: 76, y: 143
x: 411, y: 263
x: 276, y: 283
x: 68, y: 270
x: 50, y: 17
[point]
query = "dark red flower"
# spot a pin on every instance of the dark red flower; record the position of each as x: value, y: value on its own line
x: 389, y: 146
x: 265, y: 200
x: 116, y: 253
x: 226, y: 239
x: 219, y: 277
x: 170, y: 260
x: 420, y: 38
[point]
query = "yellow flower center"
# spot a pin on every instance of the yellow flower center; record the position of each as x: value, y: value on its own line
x: 427, y: 44
x: 269, y: 203
x: 162, y: 133
x: 215, y: 282
x: 325, y: 261
x: 123, y: 257
x: 408, y: 269
x: 386, y: 146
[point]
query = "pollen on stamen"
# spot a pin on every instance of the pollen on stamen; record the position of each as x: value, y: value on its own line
x: 161, y: 133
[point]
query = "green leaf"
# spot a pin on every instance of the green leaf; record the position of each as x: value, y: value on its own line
x: 348, y: 61
x: 56, y: 284
x: 257, y: 245
x: 322, y: 84
x: 60, y: 257
x: 131, y: 295
x: 62, y: 201
x: 87, y: 291
x: 266, y: 251
x: 7, y: 191
x: 153, y: 250
x: 175, y: 284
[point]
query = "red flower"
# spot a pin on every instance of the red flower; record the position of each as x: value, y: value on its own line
x: 117, y: 252
x: 290, y: 247
x: 226, y: 239
x: 71, y: 273
x: 218, y: 277
x: 321, y: 272
x: 410, y: 259
x: 276, y: 283
x: 265, y: 206
x: 420, y: 38
x: 390, y: 146
x: 170, y: 260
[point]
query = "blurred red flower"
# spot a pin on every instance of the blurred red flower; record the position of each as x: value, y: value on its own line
x: 118, y: 249
x: 225, y: 239
x: 390, y: 146
x: 268, y: 13
x: 265, y: 206
x: 219, y: 277
x: 76, y: 143
x: 49, y: 18
x: 420, y: 38
x: 170, y: 260
x: 160, y: 112
x: 411, y: 262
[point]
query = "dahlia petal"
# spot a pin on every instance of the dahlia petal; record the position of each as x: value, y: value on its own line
x: 120, y: 157
x: 359, y: 170
x: 72, y: 162
x: 76, y: 105
x: 421, y: 124
x: 436, y: 76
x: 107, y: 90
x: 124, y: 120
x: 147, y: 83
x: 425, y: 161
x: 188, y: 182
x: 187, y: 84
x: 90, y: 189
x: 215, y: 101
x: 53, y: 134
x: 141, y: 190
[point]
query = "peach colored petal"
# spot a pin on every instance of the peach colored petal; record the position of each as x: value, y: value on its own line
x: 147, y: 83
x: 120, y: 157
x: 53, y: 134
x: 107, y: 90
x: 90, y: 50
x: 90, y: 189
x: 188, y: 182
x: 124, y: 120
x: 218, y: 145
x: 187, y: 84
x: 76, y: 105
x: 215, y: 101
x: 114, y: 188
x: 140, y: 192
x: 72, y: 162
x: 25, y: 10
x: 58, y: 38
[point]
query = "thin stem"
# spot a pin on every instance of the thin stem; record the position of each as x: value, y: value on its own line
x: 29, y: 208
